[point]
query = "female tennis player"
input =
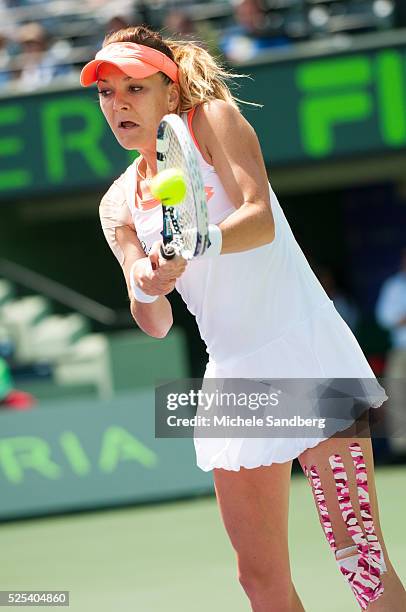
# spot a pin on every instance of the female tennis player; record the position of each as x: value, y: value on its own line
x: 260, y: 310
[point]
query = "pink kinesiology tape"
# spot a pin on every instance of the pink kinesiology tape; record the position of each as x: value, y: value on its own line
x: 364, y: 579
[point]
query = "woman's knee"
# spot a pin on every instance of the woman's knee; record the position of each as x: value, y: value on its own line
x: 267, y: 582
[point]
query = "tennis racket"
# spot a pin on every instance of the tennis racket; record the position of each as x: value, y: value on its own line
x: 185, y: 226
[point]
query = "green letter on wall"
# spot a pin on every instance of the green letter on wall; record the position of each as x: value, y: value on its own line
x: 86, y: 141
x: 391, y: 94
x: 75, y: 453
x: 12, y: 179
x: 26, y: 452
x: 333, y: 95
x: 120, y: 445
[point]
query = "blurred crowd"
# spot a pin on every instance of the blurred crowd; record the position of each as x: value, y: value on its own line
x: 44, y: 41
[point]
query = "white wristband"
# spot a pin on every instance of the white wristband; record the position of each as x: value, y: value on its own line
x: 215, y: 241
x: 138, y: 293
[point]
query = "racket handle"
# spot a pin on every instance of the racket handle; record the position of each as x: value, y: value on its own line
x: 167, y: 251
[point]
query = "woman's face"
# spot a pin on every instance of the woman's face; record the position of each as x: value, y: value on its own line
x: 133, y: 107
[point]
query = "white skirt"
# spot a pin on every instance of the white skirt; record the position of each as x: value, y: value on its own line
x: 322, y: 347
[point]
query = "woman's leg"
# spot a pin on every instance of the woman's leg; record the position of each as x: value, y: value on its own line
x: 341, y: 473
x: 254, y: 505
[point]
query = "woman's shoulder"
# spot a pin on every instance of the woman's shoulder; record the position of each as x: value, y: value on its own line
x: 208, y: 118
x: 216, y: 109
x: 117, y: 191
x: 216, y: 120
x: 113, y: 205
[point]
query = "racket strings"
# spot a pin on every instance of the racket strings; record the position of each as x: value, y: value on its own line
x: 183, y: 216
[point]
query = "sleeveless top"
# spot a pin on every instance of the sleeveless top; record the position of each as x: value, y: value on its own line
x: 242, y: 301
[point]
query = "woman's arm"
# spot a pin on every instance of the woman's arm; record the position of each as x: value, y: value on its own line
x: 155, y: 319
x: 230, y: 144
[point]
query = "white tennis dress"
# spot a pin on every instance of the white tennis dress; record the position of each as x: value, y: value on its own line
x: 262, y: 313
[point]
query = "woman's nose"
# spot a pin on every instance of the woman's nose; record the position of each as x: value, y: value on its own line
x: 120, y: 103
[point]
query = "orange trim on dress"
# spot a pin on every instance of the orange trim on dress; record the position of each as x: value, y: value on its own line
x: 190, y: 116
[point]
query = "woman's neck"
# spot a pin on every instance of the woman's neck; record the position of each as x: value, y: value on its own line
x: 148, y: 164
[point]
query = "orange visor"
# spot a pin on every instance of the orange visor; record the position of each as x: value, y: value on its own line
x: 135, y: 60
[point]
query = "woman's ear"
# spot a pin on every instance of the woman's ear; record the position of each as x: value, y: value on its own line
x: 174, y: 97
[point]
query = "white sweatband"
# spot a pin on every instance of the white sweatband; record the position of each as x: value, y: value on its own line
x: 215, y: 241
x: 138, y: 293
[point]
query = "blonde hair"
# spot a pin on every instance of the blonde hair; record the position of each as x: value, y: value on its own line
x: 201, y: 77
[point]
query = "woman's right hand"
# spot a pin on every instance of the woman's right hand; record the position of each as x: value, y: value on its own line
x: 171, y: 269
x: 151, y: 281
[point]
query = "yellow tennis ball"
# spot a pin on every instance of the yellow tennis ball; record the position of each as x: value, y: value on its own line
x: 169, y: 186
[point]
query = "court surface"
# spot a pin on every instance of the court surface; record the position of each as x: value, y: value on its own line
x: 176, y: 556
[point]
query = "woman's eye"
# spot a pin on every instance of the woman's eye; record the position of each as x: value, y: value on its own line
x: 106, y: 92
